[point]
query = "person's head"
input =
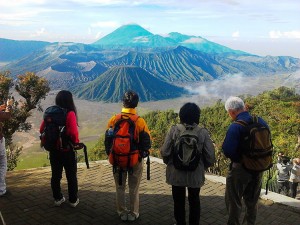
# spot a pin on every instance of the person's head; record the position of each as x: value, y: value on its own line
x: 130, y: 99
x: 234, y: 106
x: 189, y: 113
x: 296, y: 161
x: 65, y: 100
x: 285, y: 159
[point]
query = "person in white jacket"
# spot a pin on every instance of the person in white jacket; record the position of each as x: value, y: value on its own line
x: 295, y: 177
x: 284, y: 166
x: 3, y: 167
x: 4, y: 115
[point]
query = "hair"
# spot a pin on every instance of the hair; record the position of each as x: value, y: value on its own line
x: 234, y: 103
x: 130, y: 99
x: 64, y: 99
x: 189, y: 113
x: 285, y: 159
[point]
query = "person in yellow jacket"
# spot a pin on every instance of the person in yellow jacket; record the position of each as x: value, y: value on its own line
x: 130, y: 102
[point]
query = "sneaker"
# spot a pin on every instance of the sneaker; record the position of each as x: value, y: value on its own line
x: 75, y: 203
x: 2, y: 193
x: 124, y: 215
x: 59, y: 201
x: 132, y: 216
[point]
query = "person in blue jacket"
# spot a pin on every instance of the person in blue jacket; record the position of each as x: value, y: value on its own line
x: 240, y: 183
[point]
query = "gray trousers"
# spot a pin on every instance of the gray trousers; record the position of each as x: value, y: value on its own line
x: 241, y: 184
x: 134, y: 180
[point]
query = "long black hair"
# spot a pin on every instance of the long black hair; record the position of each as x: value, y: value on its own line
x: 65, y: 100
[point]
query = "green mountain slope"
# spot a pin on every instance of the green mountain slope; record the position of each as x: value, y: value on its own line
x: 112, y: 84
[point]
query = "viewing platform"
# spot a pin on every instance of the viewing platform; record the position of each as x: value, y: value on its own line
x: 29, y: 200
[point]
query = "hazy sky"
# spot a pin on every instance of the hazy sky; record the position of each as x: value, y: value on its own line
x: 264, y: 27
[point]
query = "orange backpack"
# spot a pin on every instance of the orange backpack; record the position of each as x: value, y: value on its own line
x: 124, y: 153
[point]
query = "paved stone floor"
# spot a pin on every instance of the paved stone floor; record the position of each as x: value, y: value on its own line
x: 29, y: 201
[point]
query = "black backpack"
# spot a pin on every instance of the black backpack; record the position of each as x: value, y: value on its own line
x: 256, y: 146
x: 186, y: 155
x: 54, y: 135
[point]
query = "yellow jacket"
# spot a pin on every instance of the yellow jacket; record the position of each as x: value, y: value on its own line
x: 144, y: 137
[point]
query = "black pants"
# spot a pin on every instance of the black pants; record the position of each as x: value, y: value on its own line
x: 283, y: 187
x: 179, y: 205
x: 68, y: 161
x: 294, y: 187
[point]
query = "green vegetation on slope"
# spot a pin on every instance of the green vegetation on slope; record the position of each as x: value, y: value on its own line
x: 279, y: 107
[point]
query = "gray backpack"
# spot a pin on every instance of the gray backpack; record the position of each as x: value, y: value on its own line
x: 186, y: 155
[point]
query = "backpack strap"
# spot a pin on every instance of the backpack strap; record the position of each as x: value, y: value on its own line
x: 241, y: 122
x: 244, y: 123
x: 181, y: 127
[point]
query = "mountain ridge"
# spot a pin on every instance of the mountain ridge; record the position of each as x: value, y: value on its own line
x: 111, y: 85
x: 177, y: 59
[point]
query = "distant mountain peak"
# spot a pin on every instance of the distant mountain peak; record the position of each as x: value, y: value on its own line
x: 125, y: 34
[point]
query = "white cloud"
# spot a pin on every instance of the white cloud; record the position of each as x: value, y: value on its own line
x: 40, y: 32
x: 236, y: 34
x: 287, y: 34
x: 98, y: 35
x: 142, y: 39
x: 105, y: 24
x: 194, y: 40
x: 275, y: 34
x: 101, y: 2
x: 292, y: 34
x: 18, y: 3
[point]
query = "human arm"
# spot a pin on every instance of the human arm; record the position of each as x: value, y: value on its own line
x: 42, y: 126
x: 208, y: 151
x: 144, y: 137
x: 167, y: 147
x: 71, y: 127
x: 231, y: 143
x: 108, y: 139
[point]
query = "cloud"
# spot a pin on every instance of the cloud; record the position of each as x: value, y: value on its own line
x: 101, y: 2
x: 236, y: 34
x: 19, y: 3
x: 194, y: 40
x: 105, y: 24
x: 232, y: 85
x: 98, y: 35
x: 40, y: 32
x: 275, y: 34
x: 141, y: 39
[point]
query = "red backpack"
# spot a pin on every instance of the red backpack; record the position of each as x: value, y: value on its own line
x: 124, y: 153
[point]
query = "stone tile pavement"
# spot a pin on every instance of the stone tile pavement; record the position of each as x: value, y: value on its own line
x: 29, y: 201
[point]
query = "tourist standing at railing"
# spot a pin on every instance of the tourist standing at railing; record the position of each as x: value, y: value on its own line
x: 182, y: 179
x: 240, y: 183
x: 5, y: 114
x: 284, y: 167
x: 295, y: 177
x: 64, y: 158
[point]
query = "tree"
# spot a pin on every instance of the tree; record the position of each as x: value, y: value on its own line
x: 32, y: 89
